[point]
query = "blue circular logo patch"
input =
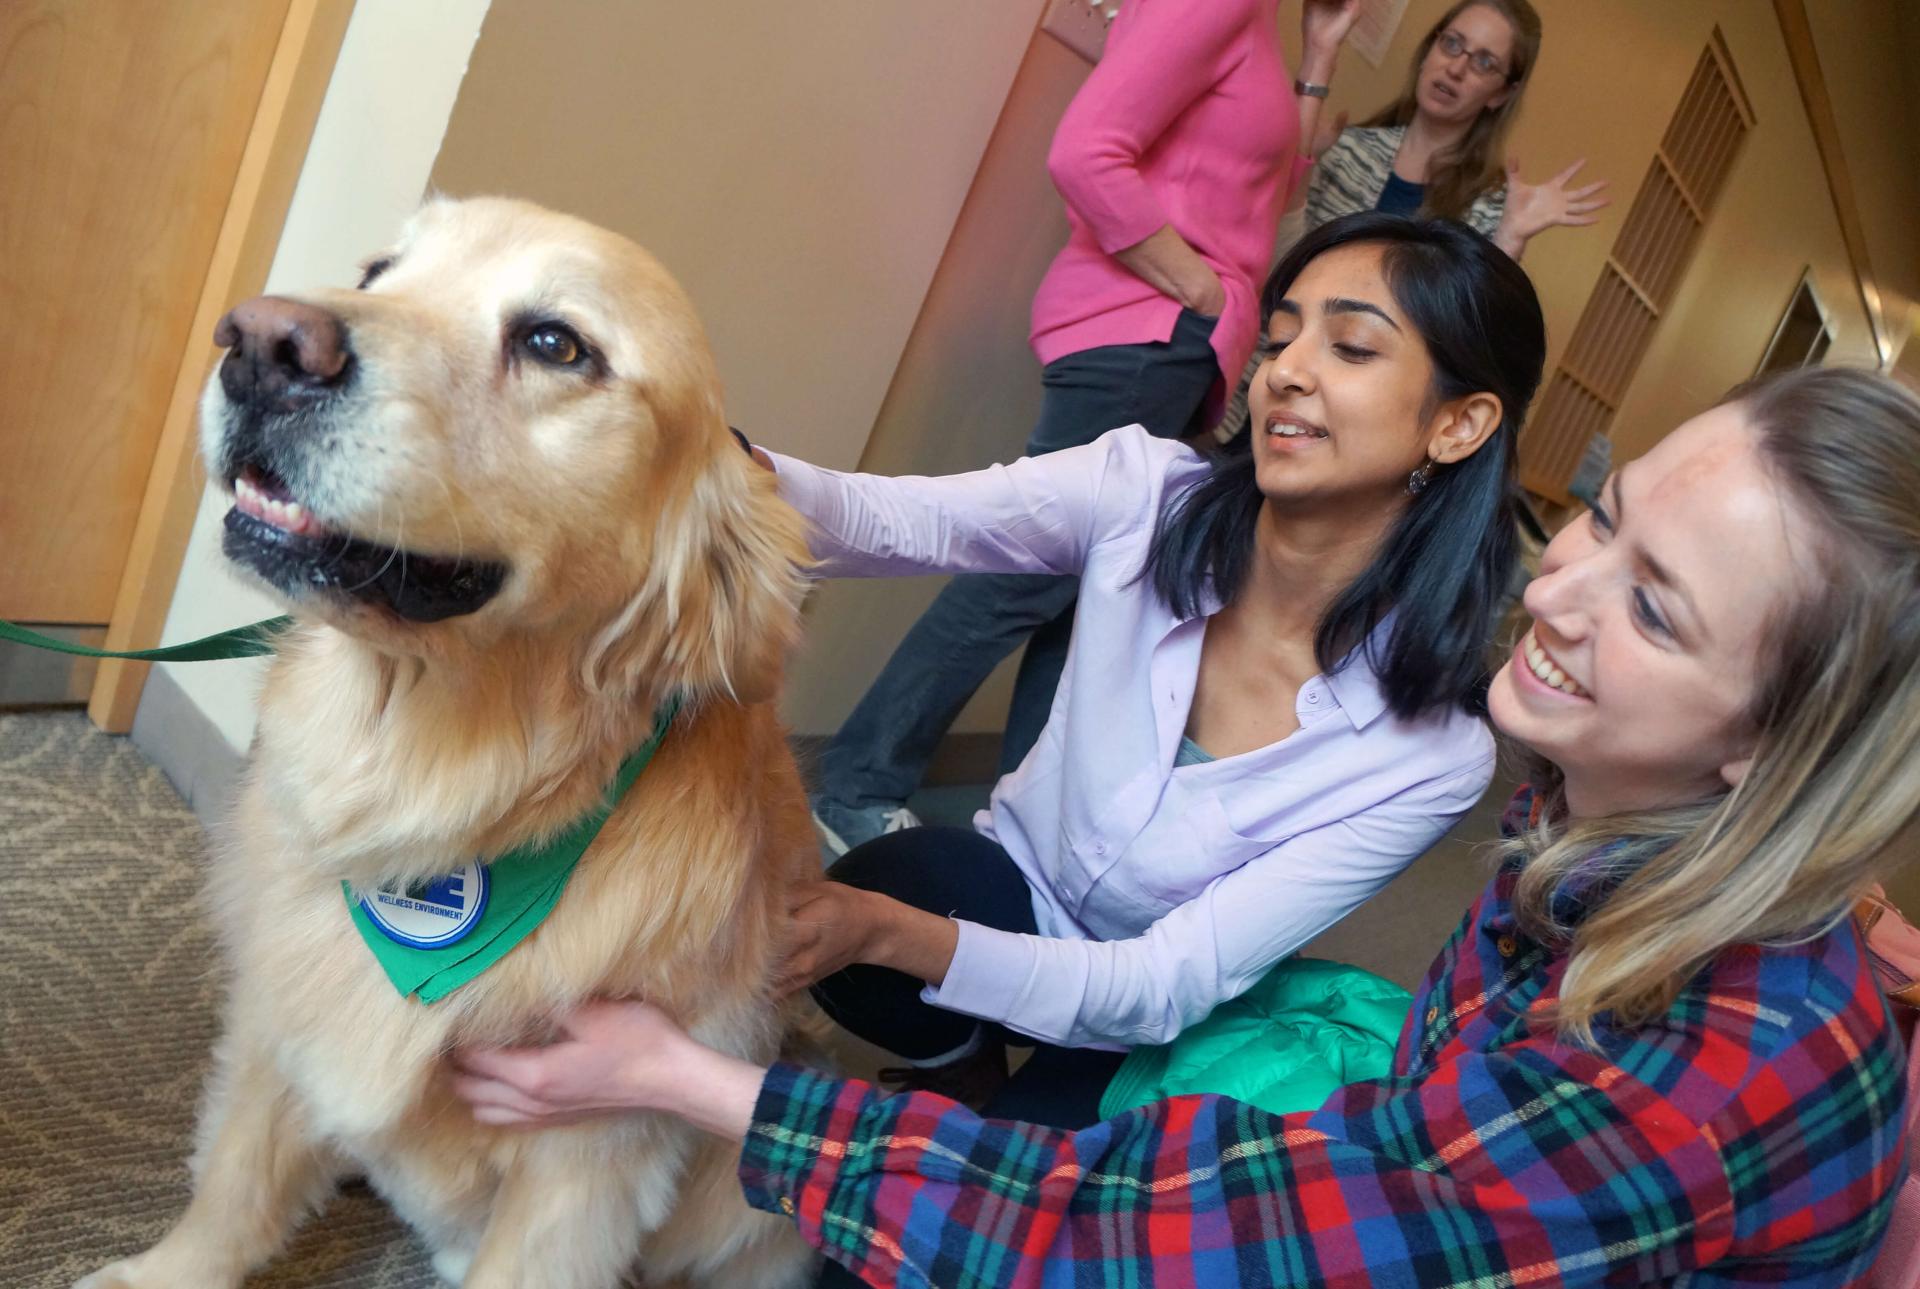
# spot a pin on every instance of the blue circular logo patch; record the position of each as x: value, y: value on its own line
x: 433, y: 914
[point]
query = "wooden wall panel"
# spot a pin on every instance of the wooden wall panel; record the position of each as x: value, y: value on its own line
x: 121, y: 128
x: 276, y: 150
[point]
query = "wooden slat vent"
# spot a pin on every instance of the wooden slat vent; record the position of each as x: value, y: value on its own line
x: 1641, y: 275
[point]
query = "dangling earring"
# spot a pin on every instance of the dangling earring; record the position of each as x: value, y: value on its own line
x: 1417, y: 481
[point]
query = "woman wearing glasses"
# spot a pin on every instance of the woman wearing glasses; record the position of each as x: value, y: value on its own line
x: 1437, y: 149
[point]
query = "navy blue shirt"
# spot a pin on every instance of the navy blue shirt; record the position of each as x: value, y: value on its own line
x: 1400, y: 197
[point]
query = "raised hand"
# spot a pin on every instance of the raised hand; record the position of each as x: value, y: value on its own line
x: 1534, y: 208
x: 1324, y: 24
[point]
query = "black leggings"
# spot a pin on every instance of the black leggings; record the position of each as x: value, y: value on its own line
x: 954, y: 872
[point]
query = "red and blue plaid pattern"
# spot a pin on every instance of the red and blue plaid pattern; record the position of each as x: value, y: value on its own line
x: 1752, y: 1135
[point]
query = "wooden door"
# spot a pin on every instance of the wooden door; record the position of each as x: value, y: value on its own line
x: 122, y: 124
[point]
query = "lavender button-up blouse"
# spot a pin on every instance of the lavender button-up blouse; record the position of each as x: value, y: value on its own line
x: 1160, y: 892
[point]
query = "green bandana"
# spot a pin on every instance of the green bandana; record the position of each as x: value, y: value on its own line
x: 435, y: 938
x: 482, y: 912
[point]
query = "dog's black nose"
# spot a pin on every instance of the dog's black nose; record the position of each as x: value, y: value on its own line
x: 280, y: 351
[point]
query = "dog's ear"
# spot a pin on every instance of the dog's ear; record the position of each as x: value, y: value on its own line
x: 744, y: 580
x: 720, y: 608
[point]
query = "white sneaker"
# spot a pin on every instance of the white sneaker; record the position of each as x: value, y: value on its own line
x: 844, y: 827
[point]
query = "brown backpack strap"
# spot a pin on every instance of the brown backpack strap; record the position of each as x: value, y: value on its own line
x: 1893, y: 947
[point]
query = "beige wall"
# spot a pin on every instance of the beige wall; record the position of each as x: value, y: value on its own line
x: 801, y: 169
x: 966, y: 393
x: 1870, y: 54
x: 798, y: 167
x: 385, y: 110
x: 1907, y: 366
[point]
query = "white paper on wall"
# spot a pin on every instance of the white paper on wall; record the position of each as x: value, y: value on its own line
x: 1373, y: 29
x: 1080, y: 25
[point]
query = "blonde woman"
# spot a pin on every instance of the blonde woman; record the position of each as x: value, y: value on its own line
x: 1653, y: 1052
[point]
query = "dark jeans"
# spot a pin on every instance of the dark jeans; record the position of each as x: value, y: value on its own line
x: 880, y: 754
x: 955, y: 872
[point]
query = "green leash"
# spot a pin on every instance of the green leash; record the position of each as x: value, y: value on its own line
x: 435, y: 938
x: 252, y: 641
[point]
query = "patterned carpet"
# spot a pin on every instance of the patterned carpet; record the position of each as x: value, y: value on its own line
x: 108, y: 989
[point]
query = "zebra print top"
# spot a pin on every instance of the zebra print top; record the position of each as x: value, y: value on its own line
x: 1352, y: 173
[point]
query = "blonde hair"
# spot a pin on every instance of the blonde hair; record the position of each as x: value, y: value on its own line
x: 1831, y: 801
x: 1458, y: 175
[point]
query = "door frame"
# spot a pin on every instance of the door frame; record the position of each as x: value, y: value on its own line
x: 276, y: 149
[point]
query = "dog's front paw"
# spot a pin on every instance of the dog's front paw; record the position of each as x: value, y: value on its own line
x: 120, y: 1275
x: 451, y: 1265
x: 161, y: 1267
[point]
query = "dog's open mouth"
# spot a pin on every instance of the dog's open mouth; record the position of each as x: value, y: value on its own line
x: 271, y: 532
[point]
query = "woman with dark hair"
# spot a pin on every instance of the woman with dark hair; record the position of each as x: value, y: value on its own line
x: 1175, y: 160
x: 1443, y: 564
x: 1271, y: 704
x: 1439, y: 150
x: 1653, y: 1052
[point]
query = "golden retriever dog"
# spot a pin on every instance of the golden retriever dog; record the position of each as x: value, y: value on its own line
x: 495, y: 486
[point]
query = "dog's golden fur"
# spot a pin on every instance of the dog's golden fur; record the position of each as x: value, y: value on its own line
x: 647, y: 556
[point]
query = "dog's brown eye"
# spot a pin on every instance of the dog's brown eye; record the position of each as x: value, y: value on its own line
x: 552, y: 343
x: 373, y: 270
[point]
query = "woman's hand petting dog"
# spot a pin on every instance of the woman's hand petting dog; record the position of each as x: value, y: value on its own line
x: 601, y: 1063
x: 833, y: 926
x: 611, y: 1058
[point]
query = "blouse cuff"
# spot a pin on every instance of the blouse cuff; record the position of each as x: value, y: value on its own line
x: 798, y: 481
x: 992, y: 977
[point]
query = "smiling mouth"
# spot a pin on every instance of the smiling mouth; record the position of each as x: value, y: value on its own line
x: 1293, y: 430
x: 1546, y: 671
x: 272, y: 533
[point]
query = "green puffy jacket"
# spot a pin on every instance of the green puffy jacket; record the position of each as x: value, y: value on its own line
x: 1306, y: 1028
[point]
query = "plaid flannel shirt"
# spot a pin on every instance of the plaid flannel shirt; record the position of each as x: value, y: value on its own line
x: 1752, y: 1135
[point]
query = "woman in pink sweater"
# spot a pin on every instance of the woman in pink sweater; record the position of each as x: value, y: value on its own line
x: 1176, y: 159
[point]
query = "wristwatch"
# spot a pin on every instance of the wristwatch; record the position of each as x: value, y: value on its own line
x: 1309, y: 89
